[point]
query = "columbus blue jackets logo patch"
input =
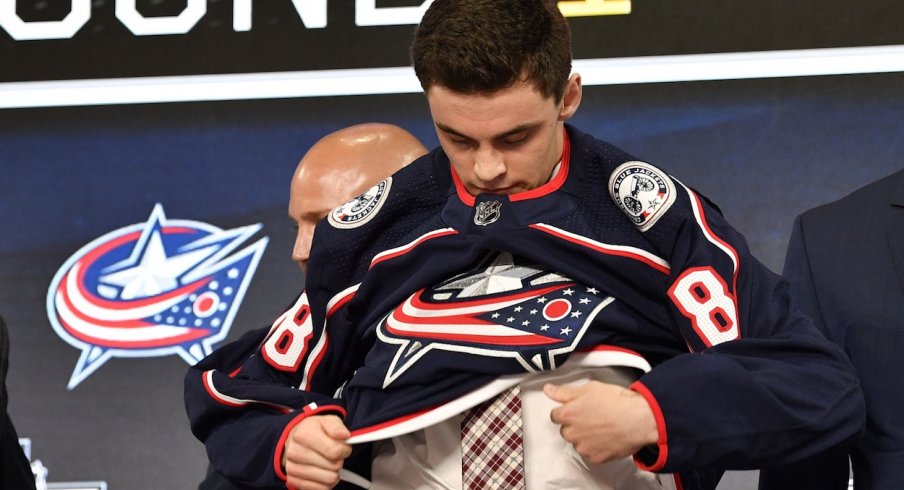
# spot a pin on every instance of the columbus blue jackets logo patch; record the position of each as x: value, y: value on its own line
x: 152, y: 289
x: 487, y: 212
x: 502, y: 309
x: 642, y: 191
x: 361, y: 209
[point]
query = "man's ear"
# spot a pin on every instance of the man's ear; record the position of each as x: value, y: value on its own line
x: 571, y: 98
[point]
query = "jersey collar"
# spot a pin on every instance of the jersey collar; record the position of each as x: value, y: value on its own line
x: 549, y: 187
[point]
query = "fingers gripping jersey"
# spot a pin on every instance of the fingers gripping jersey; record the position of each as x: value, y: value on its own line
x: 423, y: 294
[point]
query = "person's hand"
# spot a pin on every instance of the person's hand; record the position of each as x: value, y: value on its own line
x: 315, y: 451
x: 603, y: 421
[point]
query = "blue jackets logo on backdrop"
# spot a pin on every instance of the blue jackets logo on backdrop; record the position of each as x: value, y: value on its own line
x: 152, y: 289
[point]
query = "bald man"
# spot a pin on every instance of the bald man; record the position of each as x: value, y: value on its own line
x: 338, y: 167
x: 341, y: 166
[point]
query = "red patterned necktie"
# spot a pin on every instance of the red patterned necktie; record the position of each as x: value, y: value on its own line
x: 492, y: 445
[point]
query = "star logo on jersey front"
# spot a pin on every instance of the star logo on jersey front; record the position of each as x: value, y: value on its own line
x: 500, y: 275
x: 504, y: 309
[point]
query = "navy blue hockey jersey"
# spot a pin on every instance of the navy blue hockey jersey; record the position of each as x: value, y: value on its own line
x: 419, y: 294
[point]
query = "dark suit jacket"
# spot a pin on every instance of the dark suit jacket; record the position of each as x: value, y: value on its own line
x: 15, y: 471
x: 845, y: 263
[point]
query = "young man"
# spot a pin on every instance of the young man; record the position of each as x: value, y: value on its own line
x: 612, y: 308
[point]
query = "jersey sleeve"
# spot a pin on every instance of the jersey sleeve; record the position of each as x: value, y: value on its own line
x: 244, y: 398
x: 759, y: 385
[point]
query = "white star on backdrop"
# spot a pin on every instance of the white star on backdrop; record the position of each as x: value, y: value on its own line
x: 155, y: 272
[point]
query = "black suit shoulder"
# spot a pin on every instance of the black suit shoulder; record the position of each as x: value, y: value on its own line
x: 15, y: 470
x: 858, y: 211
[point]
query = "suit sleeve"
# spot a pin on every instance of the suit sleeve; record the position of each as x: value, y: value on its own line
x: 244, y: 398
x: 760, y: 385
x: 830, y: 469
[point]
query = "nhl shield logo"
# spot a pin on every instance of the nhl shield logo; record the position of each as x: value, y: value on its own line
x: 487, y: 212
x: 152, y: 289
x: 641, y: 191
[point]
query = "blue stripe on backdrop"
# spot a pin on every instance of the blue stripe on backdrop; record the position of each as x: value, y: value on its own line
x: 70, y: 175
x: 734, y: 140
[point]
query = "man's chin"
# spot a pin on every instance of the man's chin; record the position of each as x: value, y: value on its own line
x: 498, y: 190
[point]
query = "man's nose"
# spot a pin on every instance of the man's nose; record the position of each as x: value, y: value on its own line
x: 489, y: 164
x: 301, y: 252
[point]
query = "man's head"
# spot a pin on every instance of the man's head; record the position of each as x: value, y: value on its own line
x: 340, y: 166
x: 482, y: 46
x: 496, y: 76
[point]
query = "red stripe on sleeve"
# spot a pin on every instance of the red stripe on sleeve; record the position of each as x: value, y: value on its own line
x: 281, y: 444
x: 662, y: 444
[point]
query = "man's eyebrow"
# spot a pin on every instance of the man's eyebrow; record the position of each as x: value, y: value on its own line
x: 517, y: 129
x: 449, y: 130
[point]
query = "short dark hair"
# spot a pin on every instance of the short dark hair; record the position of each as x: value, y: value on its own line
x: 482, y: 46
